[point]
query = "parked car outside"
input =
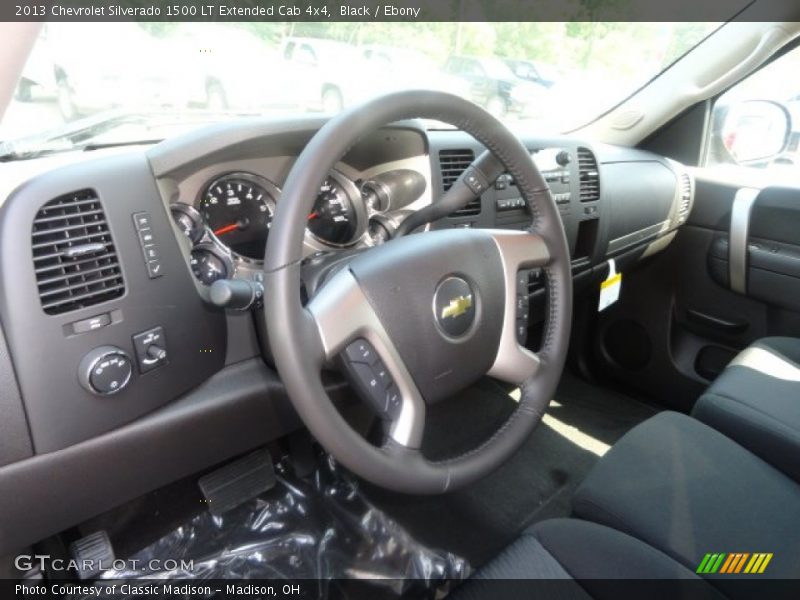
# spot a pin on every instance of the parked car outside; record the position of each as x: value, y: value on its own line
x: 494, y: 86
x: 400, y: 68
x: 230, y: 68
x: 333, y: 71
x: 114, y: 77
x: 534, y: 72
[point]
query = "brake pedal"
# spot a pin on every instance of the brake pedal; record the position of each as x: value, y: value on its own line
x: 92, y: 554
x: 237, y: 482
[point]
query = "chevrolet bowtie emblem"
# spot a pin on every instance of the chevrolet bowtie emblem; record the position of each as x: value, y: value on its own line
x: 457, y: 307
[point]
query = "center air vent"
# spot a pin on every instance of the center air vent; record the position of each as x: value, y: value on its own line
x: 452, y: 164
x: 74, y: 257
x: 589, y: 175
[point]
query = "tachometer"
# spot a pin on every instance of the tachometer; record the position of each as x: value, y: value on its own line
x: 335, y: 219
x: 238, y: 209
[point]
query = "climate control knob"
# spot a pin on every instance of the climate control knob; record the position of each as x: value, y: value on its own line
x: 105, y: 370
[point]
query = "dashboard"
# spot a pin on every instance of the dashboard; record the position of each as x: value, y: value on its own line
x: 111, y: 352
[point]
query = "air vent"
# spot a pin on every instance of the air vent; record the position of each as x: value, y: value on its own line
x: 453, y: 163
x: 74, y: 257
x: 685, y: 201
x: 472, y: 209
x: 589, y: 175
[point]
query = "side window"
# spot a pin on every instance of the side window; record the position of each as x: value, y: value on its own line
x: 288, y: 52
x: 756, y: 123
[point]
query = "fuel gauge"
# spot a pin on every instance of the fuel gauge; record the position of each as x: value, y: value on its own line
x: 209, y: 265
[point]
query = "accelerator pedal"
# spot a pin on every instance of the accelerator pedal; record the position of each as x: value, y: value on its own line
x: 92, y: 554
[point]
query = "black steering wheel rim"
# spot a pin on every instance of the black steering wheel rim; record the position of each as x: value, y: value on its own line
x: 294, y: 334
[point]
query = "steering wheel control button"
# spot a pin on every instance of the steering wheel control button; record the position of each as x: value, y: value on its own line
x: 371, y: 387
x: 454, y: 306
x: 361, y: 351
x: 151, y: 349
x: 147, y: 242
x: 382, y: 373
x: 105, y: 370
x: 92, y: 323
x: 372, y: 378
x: 393, y: 401
x: 523, y: 306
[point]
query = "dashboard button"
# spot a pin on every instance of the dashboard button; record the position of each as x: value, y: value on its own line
x: 91, y: 323
x: 105, y: 370
x: 146, y: 235
x: 142, y: 220
x: 154, y: 268
x: 150, y: 349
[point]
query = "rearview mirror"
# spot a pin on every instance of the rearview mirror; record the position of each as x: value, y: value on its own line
x: 755, y: 130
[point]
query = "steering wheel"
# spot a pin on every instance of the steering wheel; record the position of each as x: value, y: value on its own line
x: 437, y: 308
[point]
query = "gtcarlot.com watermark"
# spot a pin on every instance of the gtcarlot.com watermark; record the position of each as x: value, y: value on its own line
x: 44, y: 562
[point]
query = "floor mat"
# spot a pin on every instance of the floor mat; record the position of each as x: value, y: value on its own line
x: 320, y: 529
x: 536, y: 484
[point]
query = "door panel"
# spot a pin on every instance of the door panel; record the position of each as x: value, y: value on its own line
x: 682, y: 307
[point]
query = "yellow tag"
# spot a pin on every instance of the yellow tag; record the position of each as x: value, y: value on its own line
x: 612, y: 281
x: 610, y: 288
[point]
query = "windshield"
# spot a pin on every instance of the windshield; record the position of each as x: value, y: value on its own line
x: 149, y: 78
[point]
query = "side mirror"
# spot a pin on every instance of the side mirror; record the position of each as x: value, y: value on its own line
x: 755, y: 131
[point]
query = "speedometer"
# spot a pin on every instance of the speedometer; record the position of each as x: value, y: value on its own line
x: 336, y: 219
x: 238, y: 209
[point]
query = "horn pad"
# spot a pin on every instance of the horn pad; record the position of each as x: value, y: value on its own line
x: 440, y: 297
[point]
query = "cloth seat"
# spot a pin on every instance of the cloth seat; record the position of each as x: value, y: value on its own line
x: 572, y: 559
x: 756, y: 402
x: 687, y: 490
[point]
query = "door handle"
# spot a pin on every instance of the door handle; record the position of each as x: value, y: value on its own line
x: 718, y: 323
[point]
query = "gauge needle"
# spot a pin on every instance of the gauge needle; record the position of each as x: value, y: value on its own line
x: 313, y: 215
x: 226, y: 229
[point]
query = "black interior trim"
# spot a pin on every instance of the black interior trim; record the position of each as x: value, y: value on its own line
x: 184, y: 437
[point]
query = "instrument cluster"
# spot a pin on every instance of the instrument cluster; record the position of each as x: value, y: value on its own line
x: 229, y: 224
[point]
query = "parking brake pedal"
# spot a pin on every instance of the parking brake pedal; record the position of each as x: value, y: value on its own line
x: 237, y: 482
x: 92, y: 554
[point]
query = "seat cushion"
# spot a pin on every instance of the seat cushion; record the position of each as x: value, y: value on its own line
x: 577, y: 558
x: 756, y: 401
x: 688, y: 490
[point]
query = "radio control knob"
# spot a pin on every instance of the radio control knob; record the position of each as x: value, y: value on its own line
x: 105, y: 370
x: 563, y: 158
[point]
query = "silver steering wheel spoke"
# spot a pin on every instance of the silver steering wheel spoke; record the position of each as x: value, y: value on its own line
x: 518, y: 250
x: 343, y: 314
